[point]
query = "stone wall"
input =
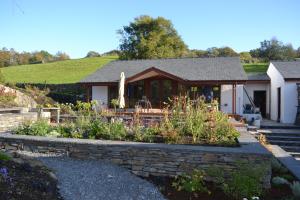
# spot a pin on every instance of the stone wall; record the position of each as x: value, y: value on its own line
x: 8, y: 121
x: 146, y: 159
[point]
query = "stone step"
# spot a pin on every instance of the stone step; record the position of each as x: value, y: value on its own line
x: 285, y: 143
x: 286, y: 133
x: 283, y: 138
x: 280, y: 127
x: 293, y: 149
x: 295, y: 154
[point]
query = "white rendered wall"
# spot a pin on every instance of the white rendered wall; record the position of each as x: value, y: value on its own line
x: 250, y: 88
x: 290, y: 102
x: 100, y: 94
x: 226, y: 99
x: 276, y: 81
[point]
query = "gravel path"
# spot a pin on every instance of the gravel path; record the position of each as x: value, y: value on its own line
x: 94, y: 180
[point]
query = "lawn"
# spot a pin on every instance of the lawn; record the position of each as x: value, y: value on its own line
x: 69, y: 71
x: 255, y: 67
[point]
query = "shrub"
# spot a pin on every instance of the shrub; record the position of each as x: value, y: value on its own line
x: 202, y: 121
x: 117, y: 131
x: 193, y: 182
x: 4, y: 157
x: 38, y: 128
x: 68, y: 130
x: 278, y: 181
x: 295, y: 187
x: 245, y: 182
x: 104, y: 130
x: 277, y: 167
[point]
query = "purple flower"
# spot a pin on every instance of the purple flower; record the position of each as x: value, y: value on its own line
x: 4, y: 173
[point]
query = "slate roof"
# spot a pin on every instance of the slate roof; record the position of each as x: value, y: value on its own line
x: 288, y: 69
x: 258, y: 77
x: 190, y: 69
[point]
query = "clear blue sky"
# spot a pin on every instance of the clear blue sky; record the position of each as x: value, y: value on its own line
x: 77, y: 26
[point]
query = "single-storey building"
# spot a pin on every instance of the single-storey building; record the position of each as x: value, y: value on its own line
x: 284, y: 92
x: 159, y: 79
x: 273, y: 94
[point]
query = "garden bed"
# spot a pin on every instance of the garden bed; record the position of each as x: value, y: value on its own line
x: 171, y: 193
x: 21, y: 180
x: 185, y: 122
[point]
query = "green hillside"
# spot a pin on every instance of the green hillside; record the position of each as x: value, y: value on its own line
x: 69, y: 71
x: 256, y: 67
x: 72, y: 71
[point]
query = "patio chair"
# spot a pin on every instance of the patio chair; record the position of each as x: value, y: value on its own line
x: 144, y: 103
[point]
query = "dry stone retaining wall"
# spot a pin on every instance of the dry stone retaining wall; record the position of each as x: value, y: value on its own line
x: 146, y: 159
x: 8, y: 121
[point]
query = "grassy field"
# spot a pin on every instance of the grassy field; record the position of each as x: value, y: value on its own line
x: 72, y: 71
x: 256, y: 67
x: 69, y: 71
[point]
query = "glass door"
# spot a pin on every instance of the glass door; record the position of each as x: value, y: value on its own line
x: 154, y: 93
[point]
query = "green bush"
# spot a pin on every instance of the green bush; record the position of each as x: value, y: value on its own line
x: 193, y: 182
x: 202, y: 121
x: 4, y: 157
x: 38, y: 128
x: 245, y: 182
x: 295, y: 187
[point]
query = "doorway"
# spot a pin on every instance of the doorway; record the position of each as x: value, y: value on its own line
x: 278, y: 104
x: 160, y: 91
x: 260, y: 99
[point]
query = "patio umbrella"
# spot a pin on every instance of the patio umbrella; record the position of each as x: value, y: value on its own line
x: 121, y: 91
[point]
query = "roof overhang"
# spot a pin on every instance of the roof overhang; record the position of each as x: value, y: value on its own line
x: 152, y: 72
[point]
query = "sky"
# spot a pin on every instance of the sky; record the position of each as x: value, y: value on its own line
x: 78, y: 26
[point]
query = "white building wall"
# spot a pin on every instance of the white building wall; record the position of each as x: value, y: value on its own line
x: 250, y: 88
x: 276, y: 82
x: 290, y: 102
x: 226, y: 99
x: 100, y: 94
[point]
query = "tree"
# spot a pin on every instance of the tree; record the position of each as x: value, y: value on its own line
x: 275, y: 50
x: 148, y: 37
x: 59, y: 56
x: 4, y: 58
x: 298, y: 52
x: 36, y: 57
x: 92, y: 54
x: 227, y: 52
x: 213, y: 52
x: 246, y: 57
x: 112, y: 53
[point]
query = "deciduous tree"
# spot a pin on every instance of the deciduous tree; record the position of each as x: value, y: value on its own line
x: 148, y: 37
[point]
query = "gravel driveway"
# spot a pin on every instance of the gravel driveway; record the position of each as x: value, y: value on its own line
x: 91, y: 180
